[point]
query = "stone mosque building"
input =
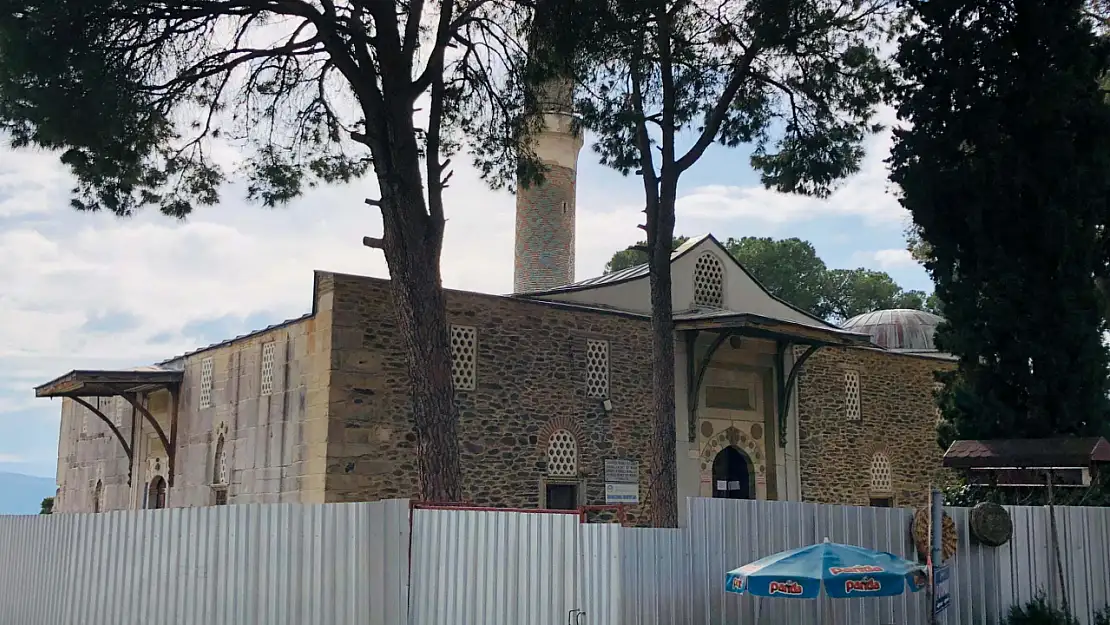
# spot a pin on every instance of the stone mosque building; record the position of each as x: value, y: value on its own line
x: 553, y: 385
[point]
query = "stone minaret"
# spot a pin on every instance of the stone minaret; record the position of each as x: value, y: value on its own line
x: 545, y: 213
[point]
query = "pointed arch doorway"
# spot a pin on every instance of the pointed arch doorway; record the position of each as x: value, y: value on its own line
x: 732, y: 475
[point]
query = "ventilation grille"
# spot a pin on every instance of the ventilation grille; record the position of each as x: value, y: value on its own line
x: 882, y: 480
x: 852, y: 410
x: 597, y: 368
x: 267, y: 368
x: 709, y: 277
x: 206, y: 383
x: 562, y: 455
x: 464, y: 356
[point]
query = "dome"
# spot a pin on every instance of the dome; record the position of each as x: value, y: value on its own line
x: 897, y: 329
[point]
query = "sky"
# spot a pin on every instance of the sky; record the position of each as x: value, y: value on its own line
x: 88, y: 290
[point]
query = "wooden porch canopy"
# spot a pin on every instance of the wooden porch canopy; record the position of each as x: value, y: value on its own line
x: 786, y: 334
x: 129, y: 384
x: 1015, y: 462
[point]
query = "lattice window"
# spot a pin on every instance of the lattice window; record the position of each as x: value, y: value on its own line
x: 709, y: 278
x: 852, y: 410
x: 937, y: 389
x: 219, y: 463
x: 267, y: 368
x: 85, y: 413
x: 882, y: 478
x: 206, y: 383
x: 464, y: 357
x: 562, y: 455
x: 117, y: 413
x: 597, y: 368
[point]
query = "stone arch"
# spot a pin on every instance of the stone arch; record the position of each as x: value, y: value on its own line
x: 157, y: 493
x: 741, y: 441
x: 219, y: 462
x: 554, y: 425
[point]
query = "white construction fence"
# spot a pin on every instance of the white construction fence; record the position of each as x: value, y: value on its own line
x: 387, y: 563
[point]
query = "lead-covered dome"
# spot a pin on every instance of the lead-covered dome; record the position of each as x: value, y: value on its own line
x: 899, y: 328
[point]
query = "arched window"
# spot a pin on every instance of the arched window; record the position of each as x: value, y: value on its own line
x: 219, y: 463
x: 882, y: 481
x: 709, y: 279
x: 156, y: 493
x: 562, y: 455
x: 98, y: 497
x: 732, y: 475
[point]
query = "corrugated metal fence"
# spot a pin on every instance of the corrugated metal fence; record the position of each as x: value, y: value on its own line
x: 350, y: 563
x: 267, y: 564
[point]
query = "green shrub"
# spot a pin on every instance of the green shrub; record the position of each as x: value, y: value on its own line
x: 1039, y: 612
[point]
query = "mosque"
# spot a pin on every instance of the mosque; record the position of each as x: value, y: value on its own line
x: 553, y: 383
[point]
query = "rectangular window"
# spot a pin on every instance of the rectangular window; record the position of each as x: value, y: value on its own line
x: 882, y: 502
x: 464, y: 357
x: 267, y: 368
x: 938, y: 388
x: 206, y: 383
x: 561, y: 496
x: 597, y: 368
x: 219, y: 496
x: 852, y: 408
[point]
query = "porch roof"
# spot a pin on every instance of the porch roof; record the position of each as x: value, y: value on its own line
x: 768, y: 327
x: 1027, y: 453
x: 109, y: 383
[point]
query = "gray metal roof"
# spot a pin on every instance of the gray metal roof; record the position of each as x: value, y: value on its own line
x: 624, y: 275
x: 897, y: 329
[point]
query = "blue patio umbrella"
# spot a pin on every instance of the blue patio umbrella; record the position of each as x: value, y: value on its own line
x: 845, y: 571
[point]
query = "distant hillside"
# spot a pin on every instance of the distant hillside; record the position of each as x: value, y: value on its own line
x: 23, y: 494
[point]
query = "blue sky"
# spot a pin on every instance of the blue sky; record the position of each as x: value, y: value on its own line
x: 94, y: 291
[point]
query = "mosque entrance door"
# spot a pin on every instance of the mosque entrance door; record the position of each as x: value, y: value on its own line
x: 732, y: 476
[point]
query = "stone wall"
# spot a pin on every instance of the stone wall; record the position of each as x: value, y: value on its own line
x: 531, y: 382
x: 897, y: 419
x: 271, y: 456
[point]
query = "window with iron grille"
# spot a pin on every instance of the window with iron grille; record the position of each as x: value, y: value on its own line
x: 597, y: 368
x: 882, y: 478
x: 852, y: 408
x: 206, y: 383
x: 464, y: 357
x: 709, y: 277
x: 562, y: 455
x: 267, y: 368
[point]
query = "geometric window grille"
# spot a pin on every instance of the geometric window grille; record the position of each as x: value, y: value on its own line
x: 117, y: 414
x: 267, y: 368
x: 206, y: 383
x: 882, y: 480
x: 85, y: 412
x: 219, y: 469
x: 562, y: 455
x: 597, y: 368
x: 709, y: 277
x: 464, y: 354
x: 851, y: 396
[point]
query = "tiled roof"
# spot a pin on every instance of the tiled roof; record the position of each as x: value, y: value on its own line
x: 1027, y: 453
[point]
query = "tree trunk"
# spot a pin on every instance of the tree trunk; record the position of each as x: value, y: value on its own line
x: 664, y: 477
x: 412, y: 251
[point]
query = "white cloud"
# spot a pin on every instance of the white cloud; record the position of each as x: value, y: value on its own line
x: 11, y: 458
x: 867, y: 194
x: 893, y: 259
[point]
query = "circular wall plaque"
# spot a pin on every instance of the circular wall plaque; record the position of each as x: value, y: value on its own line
x: 990, y: 524
x: 920, y: 532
